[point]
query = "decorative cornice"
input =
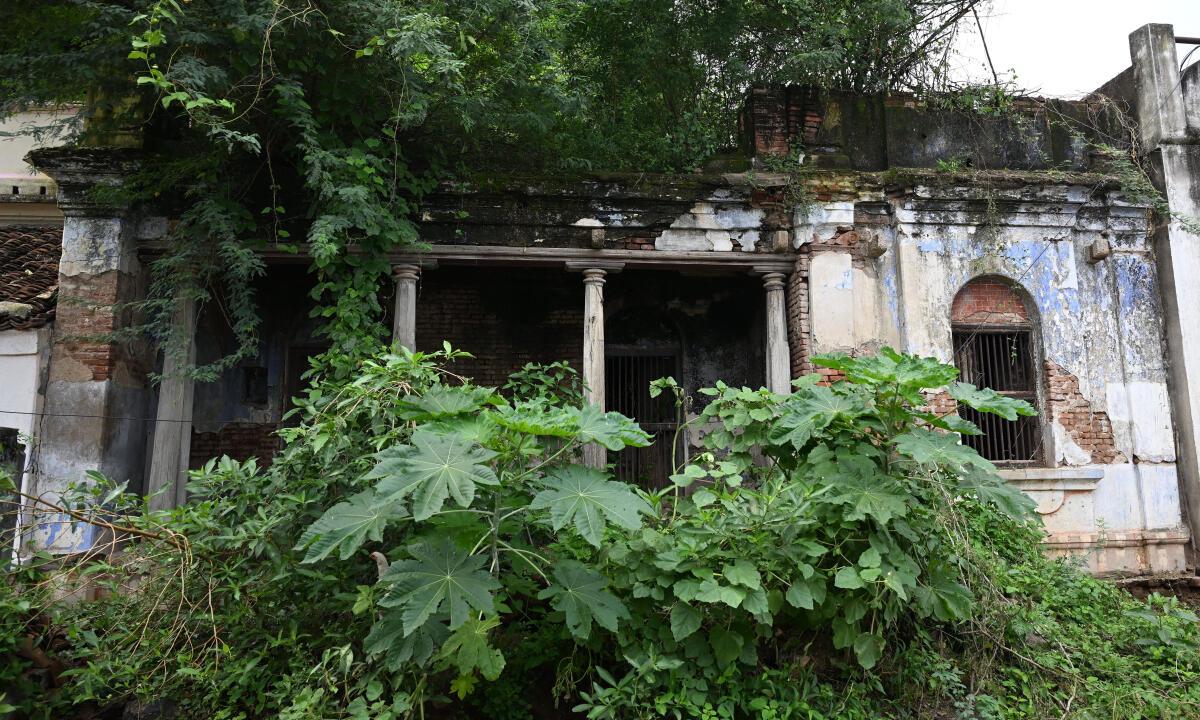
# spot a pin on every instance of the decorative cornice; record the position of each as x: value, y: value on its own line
x: 78, y: 171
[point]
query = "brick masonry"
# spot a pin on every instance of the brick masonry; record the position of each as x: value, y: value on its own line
x: 992, y: 301
x: 988, y: 301
x: 239, y: 441
x: 799, y: 324
x: 1088, y: 428
x: 506, y: 317
x: 799, y: 317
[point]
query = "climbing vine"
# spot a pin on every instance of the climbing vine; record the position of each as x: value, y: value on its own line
x: 318, y: 127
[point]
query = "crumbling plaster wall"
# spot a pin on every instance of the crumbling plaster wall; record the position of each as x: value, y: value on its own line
x: 732, y: 212
x: 1082, y: 257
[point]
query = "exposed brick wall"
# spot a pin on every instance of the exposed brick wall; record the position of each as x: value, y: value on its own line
x: 239, y: 441
x: 88, y: 310
x: 988, y: 301
x: 505, y: 316
x: 798, y: 322
x: 637, y: 242
x: 1090, y: 429
x: 774, y: 116
x: 829, y: 376
x: 940, y: 403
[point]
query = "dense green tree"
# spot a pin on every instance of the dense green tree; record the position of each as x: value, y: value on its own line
x: 280, y: 121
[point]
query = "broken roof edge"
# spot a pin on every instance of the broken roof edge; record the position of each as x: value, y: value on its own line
x: 684, y: 187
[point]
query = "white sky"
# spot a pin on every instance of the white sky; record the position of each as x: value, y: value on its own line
x: 1067, y: 48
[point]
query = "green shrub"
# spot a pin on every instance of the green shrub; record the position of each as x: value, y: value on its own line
x: 424, y: 547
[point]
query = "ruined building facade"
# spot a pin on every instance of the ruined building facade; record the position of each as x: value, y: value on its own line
x: 1004, y: 244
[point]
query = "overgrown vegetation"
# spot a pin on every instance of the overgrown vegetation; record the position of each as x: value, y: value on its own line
x: 277, y: 122
x: 425, y: 547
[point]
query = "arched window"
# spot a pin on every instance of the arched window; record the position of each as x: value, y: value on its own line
x: 994, y: 348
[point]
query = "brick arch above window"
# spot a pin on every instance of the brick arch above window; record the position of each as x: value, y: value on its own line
x: 989, y: 301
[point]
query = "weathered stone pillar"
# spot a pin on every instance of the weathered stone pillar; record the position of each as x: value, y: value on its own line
x: 593, y: 353
x: 1162, y: 125
x: 95, y: 397
x: 173, y: 422
x: 779, y: 372
x: 404, y: 323
x: 1159, y: 101
x: 594, y: 274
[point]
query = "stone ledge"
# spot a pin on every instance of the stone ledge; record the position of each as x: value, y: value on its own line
x: 1123, y: 554
x: 1114, y: 539
x: 1051, y: 479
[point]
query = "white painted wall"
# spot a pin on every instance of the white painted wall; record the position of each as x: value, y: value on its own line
x: 1102, y: 322
x: 23, y: 355
x: 13, y: 148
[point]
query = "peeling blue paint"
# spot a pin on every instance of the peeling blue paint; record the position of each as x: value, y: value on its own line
x: 928, y: 244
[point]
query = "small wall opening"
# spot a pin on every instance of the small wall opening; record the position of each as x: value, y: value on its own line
x: 12, y: 464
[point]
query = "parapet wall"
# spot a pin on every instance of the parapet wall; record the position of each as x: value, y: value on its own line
x: 876, y: 132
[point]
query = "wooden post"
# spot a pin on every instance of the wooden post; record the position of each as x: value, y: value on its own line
x: 779, y: 375
x: 173, y: 421
x: 404, y: 324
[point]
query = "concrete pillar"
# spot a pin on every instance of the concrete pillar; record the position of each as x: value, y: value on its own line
x: 173, y: 421
x: 404, y: 323
x: 96, y: 399
x: 593, y: 353
x: 1159, y: 103
x: 779, y: 372
x: 1175, y: 167
x: 594, y: 274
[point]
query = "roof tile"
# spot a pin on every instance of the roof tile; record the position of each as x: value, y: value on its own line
x: 28, y: 275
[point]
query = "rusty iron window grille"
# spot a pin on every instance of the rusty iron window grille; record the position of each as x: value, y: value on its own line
x: 1001, y: 359
x: 627, y: 377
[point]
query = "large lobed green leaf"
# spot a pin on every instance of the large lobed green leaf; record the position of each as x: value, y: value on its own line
x: 943, y: 449
x: 467, y: 649
x: 586, y: 497
x: 612, y: 430
x: 346, y: 526
x: 433, y: 468
x: 810, y: 410
x: 908, y: 373
x: 387, y: 639
x: 443, y: 401
x: 989, y: 401
x: 582, y: 595
x: 439, y: 578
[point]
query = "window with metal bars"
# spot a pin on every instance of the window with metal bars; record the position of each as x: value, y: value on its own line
x: 627, y: 378
x: 1003, y: 360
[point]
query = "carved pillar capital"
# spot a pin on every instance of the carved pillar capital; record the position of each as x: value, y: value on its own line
x: 406, y: 273
x: 404, y: 321
x: 78, y: 172
x: 594, y: 276
x: 773, y: 281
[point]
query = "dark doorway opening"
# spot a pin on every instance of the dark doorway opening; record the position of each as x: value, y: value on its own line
x: 12, y: 464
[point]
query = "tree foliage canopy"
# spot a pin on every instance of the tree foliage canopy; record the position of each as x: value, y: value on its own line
x: 281, y: 121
